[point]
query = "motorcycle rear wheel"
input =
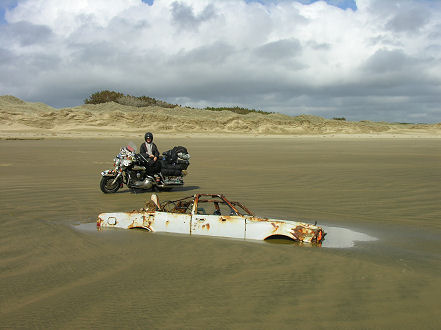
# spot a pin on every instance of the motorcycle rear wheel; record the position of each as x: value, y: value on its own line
x: 106, y: 184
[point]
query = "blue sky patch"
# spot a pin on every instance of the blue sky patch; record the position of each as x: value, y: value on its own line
x: 2, y: 16
x: 4, y: 5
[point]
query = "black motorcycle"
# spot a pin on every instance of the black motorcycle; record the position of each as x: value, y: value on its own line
x: 139, y: 172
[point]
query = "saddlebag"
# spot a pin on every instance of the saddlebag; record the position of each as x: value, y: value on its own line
x: 174, y: 161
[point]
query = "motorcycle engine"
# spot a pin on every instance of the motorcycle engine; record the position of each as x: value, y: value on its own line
x: 147, y: 183
x: 140, y: 180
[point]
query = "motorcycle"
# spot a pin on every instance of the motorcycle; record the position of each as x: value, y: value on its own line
x: 137, y: 171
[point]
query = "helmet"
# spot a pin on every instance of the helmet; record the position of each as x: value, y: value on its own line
x: 148, y: 135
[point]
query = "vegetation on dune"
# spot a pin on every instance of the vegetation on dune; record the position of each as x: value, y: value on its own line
x: 120, y: 98
x: 239, y: 110
x: 103, y: 97
x: 145, y: 101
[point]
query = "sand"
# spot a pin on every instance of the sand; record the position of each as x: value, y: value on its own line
x: 381, y: 181
x: 57, y: 271
x: 19, y: 119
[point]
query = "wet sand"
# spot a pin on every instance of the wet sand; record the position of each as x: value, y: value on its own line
x: 57, y: 271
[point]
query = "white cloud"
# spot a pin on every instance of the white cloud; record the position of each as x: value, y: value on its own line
x: 380, y: 62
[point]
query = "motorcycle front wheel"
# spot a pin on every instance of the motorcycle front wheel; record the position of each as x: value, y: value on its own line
x: 108, y: 186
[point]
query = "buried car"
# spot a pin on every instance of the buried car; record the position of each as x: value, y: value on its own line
x: 212, y: 215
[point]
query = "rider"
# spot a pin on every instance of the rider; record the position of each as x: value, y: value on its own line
x: 148, y: 148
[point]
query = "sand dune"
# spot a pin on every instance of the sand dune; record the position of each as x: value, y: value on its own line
x: 20, y: 119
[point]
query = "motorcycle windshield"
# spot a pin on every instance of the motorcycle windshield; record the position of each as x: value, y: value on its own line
x: 131, y: 147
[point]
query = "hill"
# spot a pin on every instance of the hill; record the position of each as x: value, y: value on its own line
x: 20, y: 119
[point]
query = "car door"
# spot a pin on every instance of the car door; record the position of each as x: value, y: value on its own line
x: 218, y: 225
x: 171, y: 222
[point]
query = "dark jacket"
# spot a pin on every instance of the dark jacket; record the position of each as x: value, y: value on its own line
x: 143, y: 150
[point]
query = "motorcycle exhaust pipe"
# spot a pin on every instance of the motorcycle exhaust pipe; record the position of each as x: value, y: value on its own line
x: 146, y: 184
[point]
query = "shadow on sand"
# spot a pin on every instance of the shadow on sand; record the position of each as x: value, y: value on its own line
x: 144, y: 191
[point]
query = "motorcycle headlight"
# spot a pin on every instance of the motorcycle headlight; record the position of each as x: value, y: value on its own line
x: 126, y: 162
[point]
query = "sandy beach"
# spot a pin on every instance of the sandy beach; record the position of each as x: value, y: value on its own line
x: 316, y: 113
x: 378, y: 190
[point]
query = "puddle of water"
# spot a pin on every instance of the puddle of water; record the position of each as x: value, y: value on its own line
x: 90, y: 227
x: 336, y: 237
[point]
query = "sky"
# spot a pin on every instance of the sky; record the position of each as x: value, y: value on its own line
x: 358, y: 59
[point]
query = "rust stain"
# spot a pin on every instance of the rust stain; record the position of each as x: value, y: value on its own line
x: 260, y: 219
x: 300, y: 232
x: 98, y: 223
x: 225, y: 218
x: 318, y: 237
x: 149, y: 226
x: 276, y: 226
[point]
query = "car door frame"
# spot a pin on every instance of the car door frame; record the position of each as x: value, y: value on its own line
x: 232, y: 226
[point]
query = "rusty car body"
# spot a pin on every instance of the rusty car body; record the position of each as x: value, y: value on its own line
x: 212, y: 215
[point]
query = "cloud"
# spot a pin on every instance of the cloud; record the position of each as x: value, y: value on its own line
x: 384, y: 61
x: 24, y: 33
x: 410, y: 20
x: 275, y: 50
x: 184, y: 17
x: 380, y: 60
